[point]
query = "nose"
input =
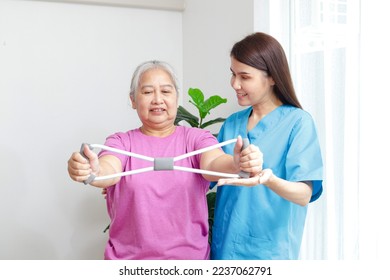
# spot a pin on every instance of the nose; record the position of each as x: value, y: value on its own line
x: 157, y: 97
x: 235, y: 83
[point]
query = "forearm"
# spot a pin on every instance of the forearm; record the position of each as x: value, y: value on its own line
x: 296, y: 192
x: 223, y: 163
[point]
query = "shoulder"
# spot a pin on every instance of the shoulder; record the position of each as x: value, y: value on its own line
x: 121, y: 134
x: 191, y: 132
x: 297, y: 115
x: 303, y: 127
x: 121, y: 139
x: 196, y: 137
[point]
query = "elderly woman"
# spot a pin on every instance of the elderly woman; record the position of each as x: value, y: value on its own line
x: 163, y: 214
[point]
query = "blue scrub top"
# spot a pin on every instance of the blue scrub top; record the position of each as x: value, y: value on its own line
x: 256, y: 223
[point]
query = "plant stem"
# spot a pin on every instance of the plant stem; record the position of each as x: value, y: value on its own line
x: 200, y: 122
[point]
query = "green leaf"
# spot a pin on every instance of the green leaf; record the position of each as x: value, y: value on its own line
x: 184, y: 115
x: 217, y: 120
x: 197, y: 96
x: 209, y: 104
x: 212, y: 102
x: 204, y: 107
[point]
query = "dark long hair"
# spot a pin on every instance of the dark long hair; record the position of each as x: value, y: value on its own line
x: 265, y: 53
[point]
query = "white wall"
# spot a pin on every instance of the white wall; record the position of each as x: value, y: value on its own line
x: 64, y: 77
x: 210, y: 30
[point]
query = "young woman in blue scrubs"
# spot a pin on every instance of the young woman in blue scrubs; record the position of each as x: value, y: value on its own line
x: 267, y: 221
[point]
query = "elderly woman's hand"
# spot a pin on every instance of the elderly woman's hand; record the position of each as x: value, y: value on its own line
x: 249, y: 159
x: 80, y: 167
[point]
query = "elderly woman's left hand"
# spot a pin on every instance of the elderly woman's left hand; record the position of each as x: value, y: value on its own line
x: 250, y: 159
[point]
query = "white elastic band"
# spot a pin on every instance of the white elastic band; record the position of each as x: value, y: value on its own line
x: 126, y: 173
x: 205, y: 149
x: 207, y: 172
x: 103, y: 147
x: 181, y: 168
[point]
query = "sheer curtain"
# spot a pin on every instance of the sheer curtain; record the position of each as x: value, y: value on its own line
x: 374, y: 166
x: 338, y: 57
x: 325, y: 65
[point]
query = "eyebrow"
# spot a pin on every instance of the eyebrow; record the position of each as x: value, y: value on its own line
x: 243, y: 72
x: 165, y: 85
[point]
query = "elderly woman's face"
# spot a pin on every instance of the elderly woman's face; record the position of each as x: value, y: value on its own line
x: 156, y: 99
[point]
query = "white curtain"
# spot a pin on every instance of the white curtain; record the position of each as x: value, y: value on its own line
x: 324, y: 61
x: 337, y: 56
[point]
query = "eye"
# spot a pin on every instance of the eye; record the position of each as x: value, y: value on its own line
x: 167, y: 90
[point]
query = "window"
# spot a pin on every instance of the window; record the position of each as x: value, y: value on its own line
x: 321, y: 38
x: 324, y: 63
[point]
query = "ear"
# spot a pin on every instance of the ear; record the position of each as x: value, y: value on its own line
x: 271, y: 81
x: 132, y: 102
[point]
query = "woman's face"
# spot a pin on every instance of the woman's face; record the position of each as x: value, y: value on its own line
x: 252, y: 86
x: 156, y: 99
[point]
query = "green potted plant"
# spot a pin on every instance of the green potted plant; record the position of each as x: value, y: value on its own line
x: 204, y: 107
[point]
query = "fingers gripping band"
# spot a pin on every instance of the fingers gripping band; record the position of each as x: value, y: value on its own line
x: 92, y: 176
x: 82, y: 149
x: 163, y: 164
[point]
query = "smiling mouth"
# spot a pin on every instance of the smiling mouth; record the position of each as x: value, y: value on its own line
x: 241, y: 94
x: 157, y: 110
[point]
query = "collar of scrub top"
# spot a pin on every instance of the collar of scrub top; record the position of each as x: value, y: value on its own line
x: 165, y: 163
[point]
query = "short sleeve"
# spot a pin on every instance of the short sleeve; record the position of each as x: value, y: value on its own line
x: 118, y: 141
x: 198, y: 139
x: 304, y: 159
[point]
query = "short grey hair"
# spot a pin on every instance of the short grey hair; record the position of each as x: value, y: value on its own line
x: 152, y: 64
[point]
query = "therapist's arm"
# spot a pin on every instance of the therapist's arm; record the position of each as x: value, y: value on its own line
x: 296, y: 192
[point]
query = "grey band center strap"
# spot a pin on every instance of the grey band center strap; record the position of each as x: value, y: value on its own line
x: 163, y: 163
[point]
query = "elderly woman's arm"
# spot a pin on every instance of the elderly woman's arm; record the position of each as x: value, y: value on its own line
x: 249, y: 160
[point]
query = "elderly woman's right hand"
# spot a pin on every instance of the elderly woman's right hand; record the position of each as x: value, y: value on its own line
x: 80, y: 168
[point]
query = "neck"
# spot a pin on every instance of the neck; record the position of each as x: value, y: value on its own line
x: 259, y: 111
x: 157, y: 132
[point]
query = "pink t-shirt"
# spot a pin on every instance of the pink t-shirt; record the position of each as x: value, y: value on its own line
x: 159, y: 214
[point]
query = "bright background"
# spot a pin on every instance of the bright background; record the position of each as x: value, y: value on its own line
x: 65, y: 72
